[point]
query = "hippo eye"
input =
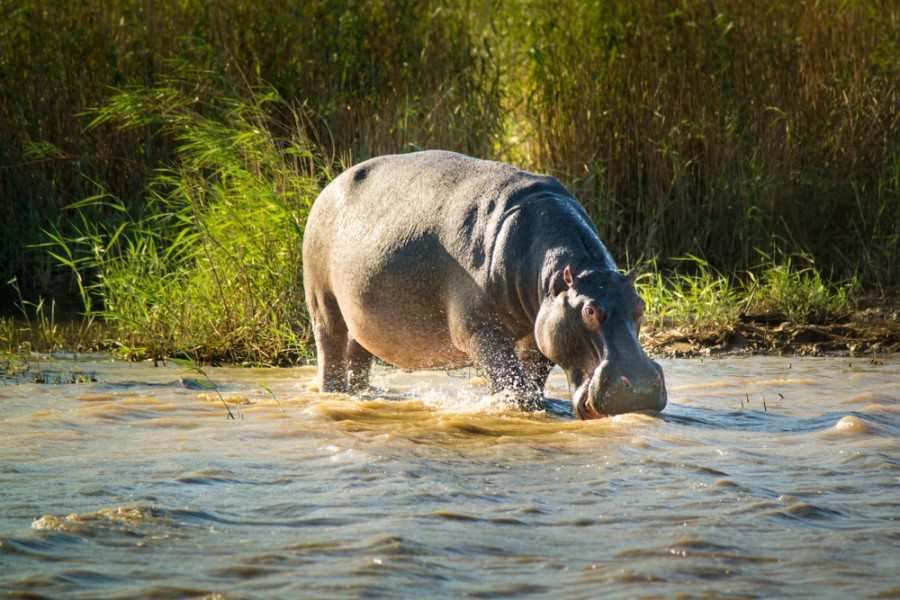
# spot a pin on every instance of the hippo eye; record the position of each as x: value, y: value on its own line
x: 594, y: 312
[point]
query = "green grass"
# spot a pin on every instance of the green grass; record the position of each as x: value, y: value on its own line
x: 37, y: 329
x: 800, y: 293
x: 211, y: 267
x: 702, y: 297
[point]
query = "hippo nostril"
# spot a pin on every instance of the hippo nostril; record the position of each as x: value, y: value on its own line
x: 626, y: 382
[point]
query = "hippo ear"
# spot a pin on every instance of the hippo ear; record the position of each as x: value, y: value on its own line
x: 562, y: 282
x: 633, y: 275
x: 569, y: 278
x: 557, y: 286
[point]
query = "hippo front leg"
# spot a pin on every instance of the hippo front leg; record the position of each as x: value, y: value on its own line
x: 536, y: 366
x: 493, y: 353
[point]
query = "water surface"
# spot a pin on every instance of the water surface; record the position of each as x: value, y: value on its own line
x: 765, y: 477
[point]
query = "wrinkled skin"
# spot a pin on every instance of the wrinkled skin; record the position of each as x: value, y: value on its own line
x: 438, y: 260
x: 589, y: 327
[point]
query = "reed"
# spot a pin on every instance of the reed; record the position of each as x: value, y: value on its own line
x: 210, y: 267
x: 374, y: 76
x: 715, y: 129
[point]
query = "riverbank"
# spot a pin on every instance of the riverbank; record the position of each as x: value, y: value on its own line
x: 873, y: 329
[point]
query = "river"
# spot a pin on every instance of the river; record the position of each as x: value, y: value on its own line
x: 764, y: 477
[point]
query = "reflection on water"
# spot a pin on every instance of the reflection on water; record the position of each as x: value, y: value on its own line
x: 764, y: 477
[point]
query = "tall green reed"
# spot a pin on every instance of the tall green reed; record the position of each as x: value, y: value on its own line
x: 713, y: 129
x: 373, y: 76
x: 210, y: 266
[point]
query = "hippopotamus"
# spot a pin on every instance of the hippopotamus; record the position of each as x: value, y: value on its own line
x: 436, y: 260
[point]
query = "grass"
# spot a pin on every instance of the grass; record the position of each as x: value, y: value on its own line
x: 704, y: 298
x: 801, y: 293
x: 37, y: 329
x: 210, y: 268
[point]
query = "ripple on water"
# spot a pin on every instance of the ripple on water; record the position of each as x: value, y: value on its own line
x: 53, y: 545
x: 807, y: 512
x: 869, y: 397
x: 427, y: 487
x: 123, y: 519
x: 209, y: 476
x: 701, y: 548
x: 447, y: 515
x: 857, y: 426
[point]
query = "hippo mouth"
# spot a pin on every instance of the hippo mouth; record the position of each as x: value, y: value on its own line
x: 612, y: 393
x: 583, y: 408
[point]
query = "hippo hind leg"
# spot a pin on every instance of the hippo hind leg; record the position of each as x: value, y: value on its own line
x: 493, y: 352
x: 359, y: 363
x: 330, y: 332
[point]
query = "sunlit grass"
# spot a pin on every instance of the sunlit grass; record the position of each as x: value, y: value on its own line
x: 800, y: 293
x: 211, y: 268
x: 703, y: 297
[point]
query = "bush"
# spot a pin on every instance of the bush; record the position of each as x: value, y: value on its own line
x: 211, y: 267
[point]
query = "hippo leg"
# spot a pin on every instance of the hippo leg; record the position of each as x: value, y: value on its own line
x: 359, y: 362
x: 493, y: 352
x: 536, y: 366
x: 330, y: 332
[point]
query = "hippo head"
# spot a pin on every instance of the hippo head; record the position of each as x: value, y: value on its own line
x: 588, y: 325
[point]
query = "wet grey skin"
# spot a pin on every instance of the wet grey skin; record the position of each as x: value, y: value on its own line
x: 435, y: 260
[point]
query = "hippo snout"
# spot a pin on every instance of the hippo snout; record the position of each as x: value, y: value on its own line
x: 615, y: 390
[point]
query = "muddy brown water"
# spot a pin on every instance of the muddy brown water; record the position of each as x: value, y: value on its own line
x: 765, y: 477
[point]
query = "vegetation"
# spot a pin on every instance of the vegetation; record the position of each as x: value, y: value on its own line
x: 157, y: 160
x: 716, y: 129
x: 776, y: 289
x: 211, y: 267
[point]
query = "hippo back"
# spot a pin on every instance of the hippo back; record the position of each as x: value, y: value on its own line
x: 421, y: 247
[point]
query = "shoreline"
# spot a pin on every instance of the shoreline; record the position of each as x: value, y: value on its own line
x: 871, y: 331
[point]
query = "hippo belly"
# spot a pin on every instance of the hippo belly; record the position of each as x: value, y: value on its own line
x: 400, y: 307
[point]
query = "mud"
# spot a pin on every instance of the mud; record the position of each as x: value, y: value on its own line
x: 870, y: 331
